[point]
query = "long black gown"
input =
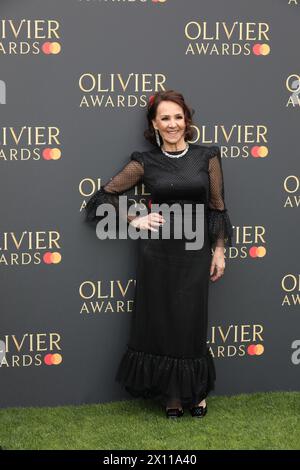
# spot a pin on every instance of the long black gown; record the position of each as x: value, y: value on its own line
x: 167, y: 354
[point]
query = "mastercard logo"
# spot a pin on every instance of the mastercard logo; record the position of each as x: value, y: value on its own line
x: 257, y: 251
x: 259, y: 151
x: 52, y: 258
x: 261, y: 49
x: 255, y: 349
x: 51, y: 154
x: 52, y: 359
x: 51, y: 48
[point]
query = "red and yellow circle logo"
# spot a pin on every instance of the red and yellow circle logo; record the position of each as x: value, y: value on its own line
x: 261, y: 49
x: 259, y: 151
x: 255, y: 349
x: 51, y: 48
x: 53, y: 359
x: 51, y: 154
x: 257, y: 251
x: 52, y: 258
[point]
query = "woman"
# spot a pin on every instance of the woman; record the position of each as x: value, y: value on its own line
x: 167, y: 357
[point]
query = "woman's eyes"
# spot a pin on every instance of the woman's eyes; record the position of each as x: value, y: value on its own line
x: 178, y: 117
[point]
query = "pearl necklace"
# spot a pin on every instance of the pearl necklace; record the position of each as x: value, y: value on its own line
x: 176, y: 156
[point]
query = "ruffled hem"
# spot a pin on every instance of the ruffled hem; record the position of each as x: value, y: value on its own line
x: 219, y: 227
x: 162, y: 378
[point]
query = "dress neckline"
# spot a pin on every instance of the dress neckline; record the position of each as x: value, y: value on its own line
x: 175, y: 152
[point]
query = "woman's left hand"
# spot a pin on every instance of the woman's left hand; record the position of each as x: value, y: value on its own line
x: 217, y: 264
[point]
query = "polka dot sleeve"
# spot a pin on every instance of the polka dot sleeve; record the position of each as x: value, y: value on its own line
x: 130, y: 175
x: 219, y: 224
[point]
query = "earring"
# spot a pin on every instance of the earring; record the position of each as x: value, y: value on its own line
x: 157, y: 137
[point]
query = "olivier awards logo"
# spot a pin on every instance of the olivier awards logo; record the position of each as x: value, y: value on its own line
x: 236, y: 341
x: 241, y: 141
x: 137, y: 196
x: 290, y: 284
x: 26, y: 143
x: 223, y: 38
x: 114, y: 296
x: 117, y: 90
x: 29, y: 248
x: 34, y: 36
x: 291, y: 188
x: 31, y: 349
x: 249, y: 242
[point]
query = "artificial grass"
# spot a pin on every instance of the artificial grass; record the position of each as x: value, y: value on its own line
x: 248, y: 421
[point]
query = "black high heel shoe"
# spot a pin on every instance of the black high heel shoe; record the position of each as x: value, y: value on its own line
x: 174, y: 413
x: 198, y: 411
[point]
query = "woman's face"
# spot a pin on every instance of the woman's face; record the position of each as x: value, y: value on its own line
x: 170, y: 123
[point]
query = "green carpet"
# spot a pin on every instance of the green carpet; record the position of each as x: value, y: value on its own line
x: 252, y: 421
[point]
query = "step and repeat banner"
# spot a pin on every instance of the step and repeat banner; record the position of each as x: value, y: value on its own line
x: 75, y: 78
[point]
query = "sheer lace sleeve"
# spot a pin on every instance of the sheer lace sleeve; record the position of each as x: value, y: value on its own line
x: 130, y: 175
x: 219, y: 224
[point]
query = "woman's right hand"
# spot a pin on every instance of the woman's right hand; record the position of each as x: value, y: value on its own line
x: 148, y: 222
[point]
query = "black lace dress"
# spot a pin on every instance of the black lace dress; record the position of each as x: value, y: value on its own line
x: 167, y: 354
